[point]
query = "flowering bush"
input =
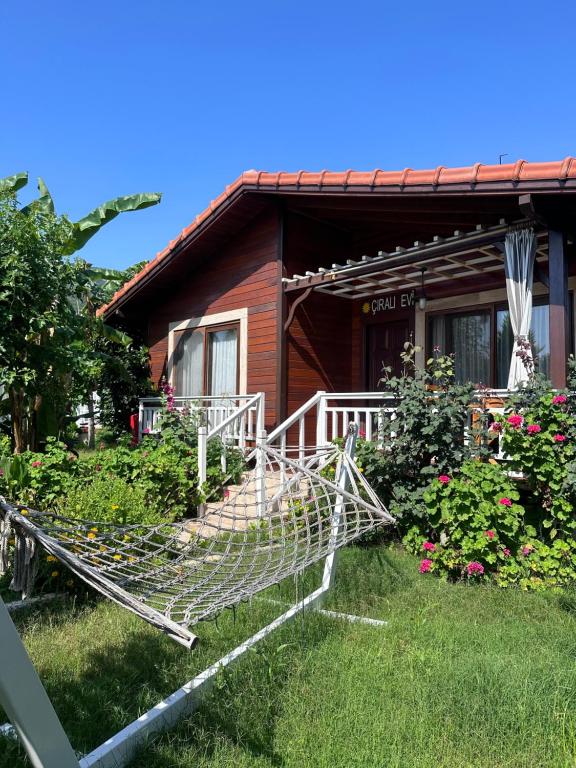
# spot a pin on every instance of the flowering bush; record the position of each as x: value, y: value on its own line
x: 473, y: 523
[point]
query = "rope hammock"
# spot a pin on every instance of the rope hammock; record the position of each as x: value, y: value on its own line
x: 285, y: 516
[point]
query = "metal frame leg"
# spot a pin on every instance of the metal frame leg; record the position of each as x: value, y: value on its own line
x: 27, y: 705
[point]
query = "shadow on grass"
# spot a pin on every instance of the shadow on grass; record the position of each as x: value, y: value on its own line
x: 105, y: 689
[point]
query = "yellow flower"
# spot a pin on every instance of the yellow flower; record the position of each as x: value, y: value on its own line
x: 131, y: 559
x: 54, y: 574
x: 117, y: 557
x: 91, y: 535
x: 94, y: 529
x: 102, y: 548
x: 51, y: 559
x: 24, y: 512
x: 114, y: 507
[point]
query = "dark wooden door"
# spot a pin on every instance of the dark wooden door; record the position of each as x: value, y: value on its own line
x: 385, y: 343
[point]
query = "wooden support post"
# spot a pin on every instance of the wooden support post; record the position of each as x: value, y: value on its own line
x: 559, y: 313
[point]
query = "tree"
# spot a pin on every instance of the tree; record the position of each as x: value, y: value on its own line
x: 48, y: 326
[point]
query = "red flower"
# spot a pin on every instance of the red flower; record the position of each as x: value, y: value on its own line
x: 559, y: 438
x: 527, y: 549
x: 506, y: 552
x: 36, y: 464
x: 475, y: 567
x: 425, y: 565
x: 429, y: 546
x: 515, y: 420
x: 532, y: 429
x: 505, y: 501
x: 490, y: 534
x: 496, y: 426
x: 444, y: 479
x: 559, y: 399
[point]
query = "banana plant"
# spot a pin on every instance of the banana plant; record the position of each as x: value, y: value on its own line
x: 85, y: 289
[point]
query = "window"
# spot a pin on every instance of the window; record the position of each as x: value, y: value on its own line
x: 205, y: 361
x: 467, y: 337
x: 539, y: 339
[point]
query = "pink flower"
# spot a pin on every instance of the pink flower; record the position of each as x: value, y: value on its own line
x: 444, y: 479
x: 496, y: 426
x: 505, y: 501
x: 226, y: 493
x: 36, y: 464
x: 559, y: 438
x: 490, y: 534
x: 515, y: 420
x: 429, y: 546
x: 506, y: 552
x: 527, y: 549
x: 1, y: 472
x: 362, y: 434
x: 146, y: 431
x: 425, y: 565
x: 559, y: 399
x: 532, y: 429
x: 475, y: 567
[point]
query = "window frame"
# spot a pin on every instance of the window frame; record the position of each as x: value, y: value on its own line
x: 207, y: 324
x: 491, y: 308
x: 206, y: 331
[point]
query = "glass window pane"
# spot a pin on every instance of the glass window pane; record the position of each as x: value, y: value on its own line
x: 539, y: 339
x: 188, y: 361
x: 471, y: 348
x: 467, y: 337
x: 223, y: 361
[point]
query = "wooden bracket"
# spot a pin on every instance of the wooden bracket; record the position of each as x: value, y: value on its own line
x: 295, y: 306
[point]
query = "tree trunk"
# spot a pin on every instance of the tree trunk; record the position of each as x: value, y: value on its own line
x: 91, y: 422
x: 18, y: 420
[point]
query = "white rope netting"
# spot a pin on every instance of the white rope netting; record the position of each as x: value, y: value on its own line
x: 285, y: 516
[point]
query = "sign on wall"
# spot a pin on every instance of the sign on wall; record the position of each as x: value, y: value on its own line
x: 390, y: 302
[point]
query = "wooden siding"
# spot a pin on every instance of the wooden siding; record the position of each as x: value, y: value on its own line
x: 245, y: 273
x: 319, y: 339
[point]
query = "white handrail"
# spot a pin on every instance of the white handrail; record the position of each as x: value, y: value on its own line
x: 255, y: 400
x: 291, y: 420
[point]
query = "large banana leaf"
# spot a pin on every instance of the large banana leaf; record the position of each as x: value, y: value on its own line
x: 14, y: 183
x: 44, y: 203
x: 90, y: 224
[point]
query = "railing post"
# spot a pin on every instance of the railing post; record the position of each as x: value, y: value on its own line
x: 202, y: 448
x: 260, y: 412
x: 140, y: 419
x: 321, y: 426
x: 260, y: 475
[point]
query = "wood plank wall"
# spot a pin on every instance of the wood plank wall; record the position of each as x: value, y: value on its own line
x: 319, y: 352
x: 244, y: 274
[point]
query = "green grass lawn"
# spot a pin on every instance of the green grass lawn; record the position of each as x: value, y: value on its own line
x: 461, y: 676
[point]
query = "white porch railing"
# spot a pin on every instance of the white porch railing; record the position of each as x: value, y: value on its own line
x: 328, y: 414
x: 236, y: 419
x: 215, y: 411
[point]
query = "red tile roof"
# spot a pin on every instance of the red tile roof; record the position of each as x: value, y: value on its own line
x: 407, y: 179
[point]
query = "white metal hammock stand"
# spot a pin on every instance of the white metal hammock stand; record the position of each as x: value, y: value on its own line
x: 22, y: 694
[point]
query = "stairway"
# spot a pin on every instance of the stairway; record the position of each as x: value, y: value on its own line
x: 239, y: 509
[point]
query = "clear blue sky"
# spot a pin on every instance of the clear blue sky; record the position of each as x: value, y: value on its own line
x: 110, y: 98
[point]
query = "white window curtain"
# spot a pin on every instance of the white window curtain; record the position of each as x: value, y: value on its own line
x: 520, y: 247
x: 223, y: 357
x: 189, y: 364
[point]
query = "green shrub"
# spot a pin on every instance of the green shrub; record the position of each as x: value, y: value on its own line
x: 473, y: 525
x: 109, y: 499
